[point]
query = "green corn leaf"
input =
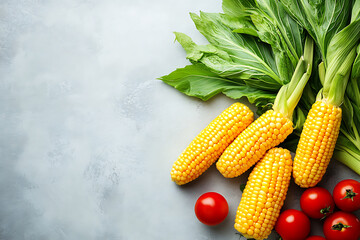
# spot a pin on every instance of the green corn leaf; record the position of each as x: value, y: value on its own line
x: 273, y: 25
x: 236, y: 8
x: 198, y: 81
x: 355, y: 14
x: 321, y: 18
x: 221, y: 63
x: 347, y: 153
x: 340, y: 58
x: 348, y: 115
x: 356, y: 126
x: 251, y: 59
x: 353, y: 88
x: 290, y: 33
x: 196, y: 52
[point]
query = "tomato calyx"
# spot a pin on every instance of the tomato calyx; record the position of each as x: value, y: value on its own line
x: 339, y: 226
x: 325, y: 211
x: 350, y: 194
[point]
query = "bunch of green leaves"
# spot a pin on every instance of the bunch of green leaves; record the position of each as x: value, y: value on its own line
x: 347, y: 149
x: 335, y: 27
x: 252, y: 52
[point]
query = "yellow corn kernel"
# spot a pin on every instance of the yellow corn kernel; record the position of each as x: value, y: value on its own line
x: 260, y: 218
x: 266, y: 132
x: 206, y: 148
x: 316, y: 144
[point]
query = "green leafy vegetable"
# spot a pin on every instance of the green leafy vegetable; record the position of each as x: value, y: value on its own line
x: 245, y: 57
x: 198, y: 81
x: 322, y: 18
x: 249, y: 58
x: 347, y: 149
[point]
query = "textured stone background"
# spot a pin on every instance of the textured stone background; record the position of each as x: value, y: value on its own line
x: 89, y: 135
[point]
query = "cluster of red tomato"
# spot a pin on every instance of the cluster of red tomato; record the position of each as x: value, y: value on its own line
x: 339, y: 224
x: 318, y: 203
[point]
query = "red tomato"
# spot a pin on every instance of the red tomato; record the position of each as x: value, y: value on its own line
x: 315, y: 238
x: 293, y: 224
x: 347, y: 195
x: 317, y: 202
x: 211, y: 208
x: 342, y: 225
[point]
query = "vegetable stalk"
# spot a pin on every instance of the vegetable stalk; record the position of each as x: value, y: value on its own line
x: 347, y: 149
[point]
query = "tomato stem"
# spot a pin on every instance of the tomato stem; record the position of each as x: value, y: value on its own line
x: 325, y: 211
x: 350, y: 194
x: 339, y: 226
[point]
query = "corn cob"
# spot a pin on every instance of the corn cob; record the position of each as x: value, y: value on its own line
x: 316, y: 144
x: 266, y: 132
x: 206, y: 148
x: 264, y: 194
x: 271, y: 128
